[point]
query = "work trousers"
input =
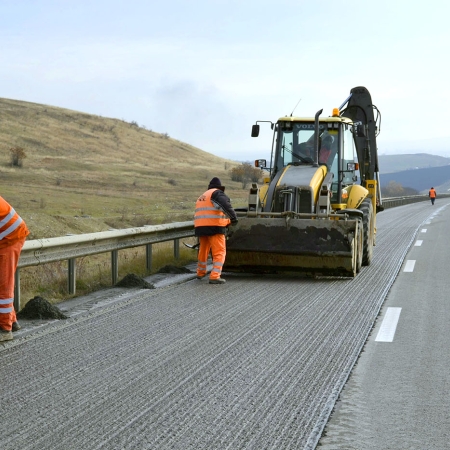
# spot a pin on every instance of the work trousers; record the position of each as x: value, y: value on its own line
x: 9, y: 258
x: 215, y: 244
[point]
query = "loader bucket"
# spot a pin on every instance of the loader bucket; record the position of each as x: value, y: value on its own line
x: 313, y: 246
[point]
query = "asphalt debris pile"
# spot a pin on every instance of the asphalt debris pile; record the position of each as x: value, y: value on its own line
x: 174, y: 269
x: 134, y: 281
x: 40, y: 308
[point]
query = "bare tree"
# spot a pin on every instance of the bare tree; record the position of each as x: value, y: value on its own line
x: 17, y: 156
x: 245, y: 173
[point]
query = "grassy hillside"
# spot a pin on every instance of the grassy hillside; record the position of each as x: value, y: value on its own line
x: 85, y: 173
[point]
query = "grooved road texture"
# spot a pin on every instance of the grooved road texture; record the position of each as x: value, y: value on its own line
x: 255, y: 364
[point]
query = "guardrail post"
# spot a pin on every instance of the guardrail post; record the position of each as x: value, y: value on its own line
x: 114, y: 266
x: 71, y: 280
x: 148, y: 256
x: 176, y: 248
x: 17, y: 290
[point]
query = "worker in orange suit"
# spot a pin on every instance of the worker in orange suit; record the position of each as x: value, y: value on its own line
x: 13, y: 232
x: 213, y: 214
x: 432, y: 195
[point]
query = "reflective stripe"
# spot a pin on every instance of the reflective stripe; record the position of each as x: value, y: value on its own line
x: 7, y: 217
x: 215, y: 216
x: 216, y: 270
x: 218, y: 264
x: 6, y: 301
x: 11, y: 228
x: 6, y: 310
x: 206, y: 209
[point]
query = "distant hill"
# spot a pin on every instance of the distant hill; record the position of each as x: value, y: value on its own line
x: 420, y: 179
x: 399, y: 163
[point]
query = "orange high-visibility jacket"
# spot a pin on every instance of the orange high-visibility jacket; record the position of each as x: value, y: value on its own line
x: 207, y: 214
x: 12, y: 227
x: 432, y: 193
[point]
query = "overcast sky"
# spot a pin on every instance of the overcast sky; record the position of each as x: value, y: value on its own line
x: 204, y: 71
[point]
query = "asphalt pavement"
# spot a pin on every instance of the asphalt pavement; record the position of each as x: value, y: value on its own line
x: 398, y: 396
x: 257, y: 363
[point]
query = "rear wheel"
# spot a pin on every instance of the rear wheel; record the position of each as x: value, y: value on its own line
x: 359, y: 251
x: 367, y: 225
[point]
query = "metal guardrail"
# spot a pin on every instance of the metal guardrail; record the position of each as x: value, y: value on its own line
x: 399, y: 201
x: 42, y: 251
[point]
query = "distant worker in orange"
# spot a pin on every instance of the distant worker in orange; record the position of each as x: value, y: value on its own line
x: 13, y: 232
x: 213, y: 214
x: 432, y: 195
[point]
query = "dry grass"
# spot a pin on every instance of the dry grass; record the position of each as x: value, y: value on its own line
x: 85, y: 173
x: 94, y: 272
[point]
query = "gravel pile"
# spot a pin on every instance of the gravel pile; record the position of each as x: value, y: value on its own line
x: 132, y: 280
x: 40, y: 308
x: 174, y: 269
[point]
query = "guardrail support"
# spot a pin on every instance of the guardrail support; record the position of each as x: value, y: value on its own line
x: 72, y: 278
x: 114, y: 266
x: 176, y: 248
x: 148, y: 257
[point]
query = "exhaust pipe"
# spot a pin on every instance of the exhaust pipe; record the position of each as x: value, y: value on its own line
x: 316, y: 138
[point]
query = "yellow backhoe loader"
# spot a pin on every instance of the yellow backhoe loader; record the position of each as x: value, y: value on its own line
x: 316, y: 212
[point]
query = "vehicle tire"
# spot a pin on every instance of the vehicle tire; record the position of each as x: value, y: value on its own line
x: 359, y: 254
x: 368, y: 231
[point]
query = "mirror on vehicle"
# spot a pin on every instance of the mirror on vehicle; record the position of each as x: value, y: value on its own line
x: 255, y: 130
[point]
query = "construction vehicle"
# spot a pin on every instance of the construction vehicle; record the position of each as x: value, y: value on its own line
x: 313, y: 214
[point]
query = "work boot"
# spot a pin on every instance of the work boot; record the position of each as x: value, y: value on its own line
x: 199, y: 277
x: 5, y: 335
x: 16, y: 326
x: 216, y: 281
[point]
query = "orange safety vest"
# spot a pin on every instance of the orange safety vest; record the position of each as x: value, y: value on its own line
x: 12, y: 226
x: 207, y: 214
x: 432, y: 193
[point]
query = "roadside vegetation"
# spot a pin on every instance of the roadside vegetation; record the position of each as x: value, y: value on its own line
x: 67, y: 172
x: 94, y: 272
x: 394, y: 189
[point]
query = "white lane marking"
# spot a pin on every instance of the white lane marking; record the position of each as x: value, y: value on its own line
x: 423, y: 230
x: 409, y: 266
x: 418, y: 243
x: 389, y: 325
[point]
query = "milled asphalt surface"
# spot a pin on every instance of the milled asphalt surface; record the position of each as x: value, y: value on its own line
x: 255, y: 364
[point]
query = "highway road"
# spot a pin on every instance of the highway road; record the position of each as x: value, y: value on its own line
x: 258, y: 363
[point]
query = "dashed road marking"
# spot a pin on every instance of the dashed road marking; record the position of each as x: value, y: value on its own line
x: 418, y: 243
x: 409, y: 266
x: 389, y: 325
x: 423, y: 230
